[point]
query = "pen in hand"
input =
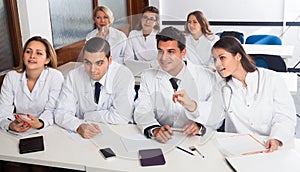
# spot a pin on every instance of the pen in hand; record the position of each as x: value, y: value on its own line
x: 186, y: 151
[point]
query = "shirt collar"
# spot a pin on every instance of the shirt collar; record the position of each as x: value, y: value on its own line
x: 250, y: 79
x: 41, y: 78
x: 180, y: 75
x: 101, y: 81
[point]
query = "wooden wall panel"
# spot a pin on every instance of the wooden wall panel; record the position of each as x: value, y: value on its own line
x: 69, y: 53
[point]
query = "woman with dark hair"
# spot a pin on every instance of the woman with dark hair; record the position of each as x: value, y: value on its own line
x: 29, y: 92
x: 251, y: 100
x: 141, y: 43
x: 199, y: 39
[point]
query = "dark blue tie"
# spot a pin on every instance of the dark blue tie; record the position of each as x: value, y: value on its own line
x: 174, y: 83
x: 97, y: 91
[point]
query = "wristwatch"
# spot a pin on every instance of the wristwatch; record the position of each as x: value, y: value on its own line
x: 202, y: 129
x: 148, y: 131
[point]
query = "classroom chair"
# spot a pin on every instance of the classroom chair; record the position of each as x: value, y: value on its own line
x: 238, y: 35
x: 263, y: 39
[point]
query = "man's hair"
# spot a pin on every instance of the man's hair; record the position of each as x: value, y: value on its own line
x: 97, y: 44
x: 171, y: 34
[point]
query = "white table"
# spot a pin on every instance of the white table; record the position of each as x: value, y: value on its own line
x: 62, y: 150
x: 291, y: 81
x: 285, y: 51
x: 65, y: 152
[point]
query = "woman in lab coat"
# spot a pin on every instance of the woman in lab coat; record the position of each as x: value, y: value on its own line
x: 199, y: 39
x: 141, y: 43
x: 103, y: 18
x: 253, y: 100
x: 29, y: 92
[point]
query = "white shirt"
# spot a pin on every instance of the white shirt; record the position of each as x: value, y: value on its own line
x: 199, y: 51
x: 141, y: 48
x: 155, y: 106
x: 116, y: 40
x: 76, y: 102
x: 271, y: 112
x: 40, y: 102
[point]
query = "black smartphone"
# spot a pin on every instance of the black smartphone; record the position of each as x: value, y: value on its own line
x: 107, y: 153
x: 32, y: 144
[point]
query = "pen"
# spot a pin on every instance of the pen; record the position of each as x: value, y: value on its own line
x: 181, y: 130
x: 184, y: 150
x: 193, y: 148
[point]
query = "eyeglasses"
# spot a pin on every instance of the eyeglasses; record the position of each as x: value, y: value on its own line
x: 149, y: 19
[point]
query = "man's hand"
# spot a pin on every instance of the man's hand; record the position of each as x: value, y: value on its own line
x: 191, y: 128
x: 163, y: 134
x: 88, y: 131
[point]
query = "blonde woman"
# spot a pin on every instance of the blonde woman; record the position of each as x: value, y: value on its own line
x: 103, y: 19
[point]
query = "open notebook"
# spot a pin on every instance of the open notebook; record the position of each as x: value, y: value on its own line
x: 240, y: 145
x: 244, y: 153
x: 277, y: 161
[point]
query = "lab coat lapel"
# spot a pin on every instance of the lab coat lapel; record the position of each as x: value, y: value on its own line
x: 163, y: 84
x: 189, y: 85
x: 26, y: 91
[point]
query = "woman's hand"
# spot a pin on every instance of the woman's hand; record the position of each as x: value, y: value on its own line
x: 19, y: 126
x: 272, y: 145
x: 30, y: 120
x: 103, y: 32
x: 182, y: 98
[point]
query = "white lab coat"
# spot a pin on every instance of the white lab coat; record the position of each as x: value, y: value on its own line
x: 272, y: 113
x: 76, y: 101
x: 140, y: 48
x: 155, y: 106
x: 40, y: 102
x: 199, y: 51
x: 116, y: 40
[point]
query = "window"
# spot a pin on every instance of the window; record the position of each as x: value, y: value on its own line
x: 10, y: 39
x: 119, y: 10
x: 71, y: 20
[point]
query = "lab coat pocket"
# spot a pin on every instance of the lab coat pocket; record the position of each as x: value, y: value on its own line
x: 106, y: 101
x: 87, y: 102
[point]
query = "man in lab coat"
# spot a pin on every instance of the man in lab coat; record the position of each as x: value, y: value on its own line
x: 182, y: 102
x: 100, y: 90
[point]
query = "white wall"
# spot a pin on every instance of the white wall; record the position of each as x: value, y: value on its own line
x: 236, y: 10
x: 34, y: 19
